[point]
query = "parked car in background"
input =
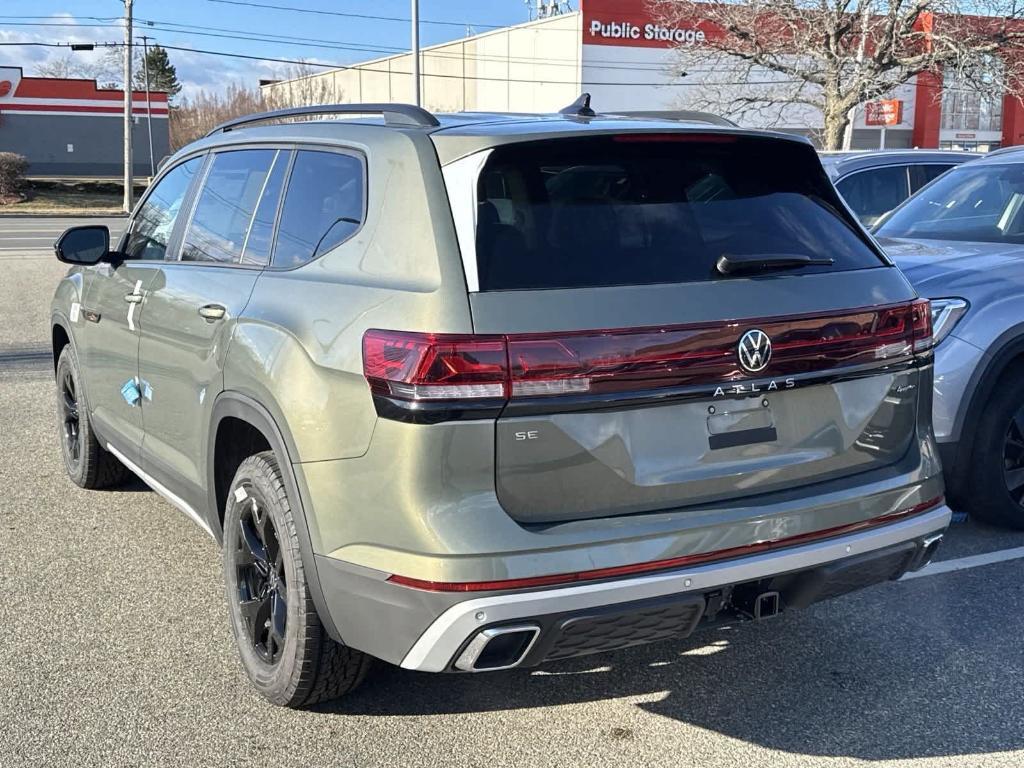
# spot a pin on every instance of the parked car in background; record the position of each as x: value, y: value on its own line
x: 960, y: 241
x: 875, y: 182
x: 479, y: 391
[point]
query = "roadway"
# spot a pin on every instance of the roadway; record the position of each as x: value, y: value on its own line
x: 117, y: 651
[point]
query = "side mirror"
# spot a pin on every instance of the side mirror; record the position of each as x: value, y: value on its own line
x: 83, y: 245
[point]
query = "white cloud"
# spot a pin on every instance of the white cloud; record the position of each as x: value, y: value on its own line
x: 196, y: 71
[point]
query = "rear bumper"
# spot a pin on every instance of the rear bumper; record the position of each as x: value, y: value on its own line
x: 602, y: 616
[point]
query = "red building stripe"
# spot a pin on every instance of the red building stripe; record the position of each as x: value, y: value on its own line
x: 84, y: 108
x: 46, y: 88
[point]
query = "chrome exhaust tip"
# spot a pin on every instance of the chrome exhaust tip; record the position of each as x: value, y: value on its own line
x: 498, y: 648
x: 928, y: 547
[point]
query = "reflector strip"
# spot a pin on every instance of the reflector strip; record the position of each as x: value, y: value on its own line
x: 659, y: 565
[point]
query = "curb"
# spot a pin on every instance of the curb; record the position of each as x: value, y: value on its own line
x: 60, y: 215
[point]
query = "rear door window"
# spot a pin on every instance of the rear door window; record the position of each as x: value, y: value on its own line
x: 653, y: 208
x: 323, y: 206
x: 873, y: 193
x: 924, y: 174
x: 227, y: 201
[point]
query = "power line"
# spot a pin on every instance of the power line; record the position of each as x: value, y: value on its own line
x: 400, y: 72
x: 390, y: 50
x: 308, y: 42
x: 248, y: 35
x: 373, y: 17
x: 462, y: 77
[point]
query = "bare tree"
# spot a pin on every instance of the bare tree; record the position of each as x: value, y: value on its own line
x: 106, y: 68
x: 196, y: 116
x: 302, y: 85
x: 65, y: 66
x: 771, y: 59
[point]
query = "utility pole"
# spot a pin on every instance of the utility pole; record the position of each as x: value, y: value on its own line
x: 149, y: 106
x: 416, y: 52
x: 127, y: 205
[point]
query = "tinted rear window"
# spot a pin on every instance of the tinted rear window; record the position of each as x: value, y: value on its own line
x: 572, y: 213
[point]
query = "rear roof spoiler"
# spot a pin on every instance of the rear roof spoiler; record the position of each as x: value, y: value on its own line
x: 679, y: 115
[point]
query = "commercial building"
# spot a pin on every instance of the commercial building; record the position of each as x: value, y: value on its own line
x: 72, y: 128
x: 618, y: 52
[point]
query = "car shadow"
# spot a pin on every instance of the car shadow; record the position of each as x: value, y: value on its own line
x: 857, y: 677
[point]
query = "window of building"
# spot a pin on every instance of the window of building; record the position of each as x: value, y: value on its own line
x: 966, y: 107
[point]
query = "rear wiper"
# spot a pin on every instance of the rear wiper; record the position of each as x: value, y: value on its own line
x: 735, y: 263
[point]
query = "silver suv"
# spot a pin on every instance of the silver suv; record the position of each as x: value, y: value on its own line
x: 960, y: 241
x: 480, y: 391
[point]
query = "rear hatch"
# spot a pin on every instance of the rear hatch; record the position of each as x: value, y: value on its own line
x: 687, y: 319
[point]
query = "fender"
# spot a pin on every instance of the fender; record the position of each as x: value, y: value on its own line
x: 1007, y: 347
x: 59, y: 319
x: 237, y: 405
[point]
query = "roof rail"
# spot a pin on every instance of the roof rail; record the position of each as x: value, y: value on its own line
x: 682, y: 115
x: 399, y: 115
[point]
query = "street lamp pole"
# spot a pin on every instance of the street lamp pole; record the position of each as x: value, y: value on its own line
x: 127, y: 205
x: 416, y: 52
x: 149, y: 106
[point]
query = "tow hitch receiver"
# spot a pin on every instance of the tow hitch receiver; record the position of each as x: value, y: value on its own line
x: 766, y: 605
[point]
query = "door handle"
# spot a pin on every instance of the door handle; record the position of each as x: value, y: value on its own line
x: 133, y: 298
x: 212, y: 312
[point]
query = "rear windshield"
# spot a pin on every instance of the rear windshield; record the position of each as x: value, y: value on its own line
x: 654, y: 208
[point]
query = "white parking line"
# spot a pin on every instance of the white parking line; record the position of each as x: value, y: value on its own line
x: 963, y: 563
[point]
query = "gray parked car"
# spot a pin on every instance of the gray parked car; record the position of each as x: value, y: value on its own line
x: 875, y: 182
x: 960, y: 241
x: 484, y: 391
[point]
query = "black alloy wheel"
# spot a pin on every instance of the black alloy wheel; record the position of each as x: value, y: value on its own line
x: 284, y: 647
x: 262, y: 586
x: 993, y: 468
x: 1013, y: 458
x: 70, y: 418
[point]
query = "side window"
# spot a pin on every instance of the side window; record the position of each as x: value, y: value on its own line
x: 872, y: 194
x: 153, y: 224
x: 226, y: 204
x: 259, y: 242
x: 323, y: 206
x: 925, y: 174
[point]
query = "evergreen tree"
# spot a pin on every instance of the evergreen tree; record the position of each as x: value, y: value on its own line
x: 162, y: 74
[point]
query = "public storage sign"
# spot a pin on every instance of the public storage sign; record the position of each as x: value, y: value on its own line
x: 614, y: 22
x: 885, y: 112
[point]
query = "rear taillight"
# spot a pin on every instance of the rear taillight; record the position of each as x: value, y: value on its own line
x: 487, y: 371
x: 922, y: 318
x: 425, y: 366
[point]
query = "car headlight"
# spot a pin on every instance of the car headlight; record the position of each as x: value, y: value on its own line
x: 946, y: 313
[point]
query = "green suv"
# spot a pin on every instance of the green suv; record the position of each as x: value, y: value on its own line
x: 479, y: 391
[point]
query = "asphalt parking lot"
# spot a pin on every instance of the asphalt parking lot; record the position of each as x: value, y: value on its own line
x: 116, y: 649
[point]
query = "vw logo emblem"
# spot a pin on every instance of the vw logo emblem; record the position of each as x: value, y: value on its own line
x: 754, y: 350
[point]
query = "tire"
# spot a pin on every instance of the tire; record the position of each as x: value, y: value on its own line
x: 87, y: 463
x: 285, y: 650
x: 995, y: 495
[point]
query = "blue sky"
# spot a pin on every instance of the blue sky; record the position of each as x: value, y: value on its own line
x: 338, y: 39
